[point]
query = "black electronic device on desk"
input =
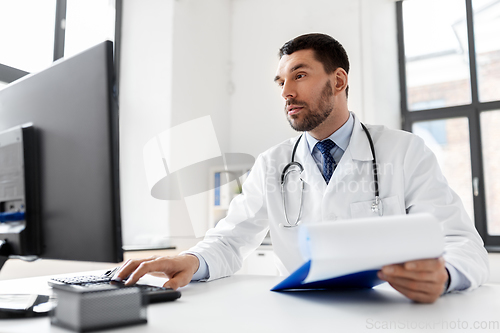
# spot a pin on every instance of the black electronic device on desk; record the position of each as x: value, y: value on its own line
x: 150, y: 294
x: 19, y: 194
x: 25, y: 305
x: 100, y: 307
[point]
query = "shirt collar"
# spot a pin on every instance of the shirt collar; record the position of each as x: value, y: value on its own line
x: 340, y: 137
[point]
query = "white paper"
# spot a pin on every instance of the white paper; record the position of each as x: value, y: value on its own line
x: 348, y: 246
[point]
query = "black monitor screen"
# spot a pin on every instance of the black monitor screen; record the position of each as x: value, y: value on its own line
x: 73, y: 111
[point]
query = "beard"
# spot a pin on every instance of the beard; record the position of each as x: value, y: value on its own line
x: 315, y: 117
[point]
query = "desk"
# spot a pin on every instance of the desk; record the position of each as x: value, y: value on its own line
x: 16, y: 268
x: 243, y: 303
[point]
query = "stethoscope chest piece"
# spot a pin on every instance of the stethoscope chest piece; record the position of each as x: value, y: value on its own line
x: 377, y: 207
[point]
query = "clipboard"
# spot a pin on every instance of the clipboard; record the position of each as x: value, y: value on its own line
x: 360, y: 280
x: 348, y: 254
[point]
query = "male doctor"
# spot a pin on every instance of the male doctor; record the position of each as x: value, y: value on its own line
x: 338, y: 184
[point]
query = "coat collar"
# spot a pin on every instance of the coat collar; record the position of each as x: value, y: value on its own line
x: 311, y: 174
x: 359, y: 145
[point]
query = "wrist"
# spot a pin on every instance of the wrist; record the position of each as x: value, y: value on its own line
x: 193, y: 260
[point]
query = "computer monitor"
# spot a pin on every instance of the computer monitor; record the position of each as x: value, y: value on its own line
x: 72, y: 111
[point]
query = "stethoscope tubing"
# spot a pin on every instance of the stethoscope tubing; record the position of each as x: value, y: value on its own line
x: 374, y: 161
x: 287, y: 170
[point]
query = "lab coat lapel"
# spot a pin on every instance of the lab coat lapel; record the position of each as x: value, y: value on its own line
x: 357, y: 150
x: 311, y: 174
x: 359, y: 144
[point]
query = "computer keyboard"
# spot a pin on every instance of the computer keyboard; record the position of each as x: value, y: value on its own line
x: 79, y: 280
x: 151, y: 294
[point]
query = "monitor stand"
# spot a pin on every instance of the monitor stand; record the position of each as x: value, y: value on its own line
x: 3, y: 259
x: 6, y: 253
x: 3, y: 253
x: 22, y: 305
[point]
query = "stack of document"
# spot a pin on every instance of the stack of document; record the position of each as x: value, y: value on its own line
x: 348, y: 253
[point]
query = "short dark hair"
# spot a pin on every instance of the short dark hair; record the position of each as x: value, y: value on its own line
x: 327, y: 50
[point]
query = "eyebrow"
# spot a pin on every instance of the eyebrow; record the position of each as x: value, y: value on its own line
x: 293, y: 69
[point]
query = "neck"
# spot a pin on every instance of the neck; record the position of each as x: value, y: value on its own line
x: 335, y: 121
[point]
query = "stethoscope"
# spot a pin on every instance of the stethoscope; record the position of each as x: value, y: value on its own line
x: 297, y: 167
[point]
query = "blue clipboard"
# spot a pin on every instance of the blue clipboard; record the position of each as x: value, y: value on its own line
x: 359, y: 280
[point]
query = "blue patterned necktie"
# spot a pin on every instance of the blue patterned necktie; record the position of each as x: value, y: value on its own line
x: 325, y: 147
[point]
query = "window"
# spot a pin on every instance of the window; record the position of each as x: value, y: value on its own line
x: 88, y: 23
x: 449, y: 141
x: 437, y: 55
x: 38, y: 32
x: 449, y: 54
x: 28, y: 33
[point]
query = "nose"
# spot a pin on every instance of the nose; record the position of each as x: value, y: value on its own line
x: 288, y: 91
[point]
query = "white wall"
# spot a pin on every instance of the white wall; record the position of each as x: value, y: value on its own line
x: 185, y: 59
x: 200, y: 87
x: 175, y: 68
x: 378, y: 44
x: 145, y: 109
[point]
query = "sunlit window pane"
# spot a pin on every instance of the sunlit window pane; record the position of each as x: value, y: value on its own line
x: 437, y: 56
x: 490, y: 123
x: 88, y: 23
x: 487, y: 38
x: 449, y: 140
x: 27, y: 33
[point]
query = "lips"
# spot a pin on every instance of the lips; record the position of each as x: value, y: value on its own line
x: 293, y: 109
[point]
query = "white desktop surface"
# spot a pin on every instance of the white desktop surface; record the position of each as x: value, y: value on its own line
x: 243, y: 303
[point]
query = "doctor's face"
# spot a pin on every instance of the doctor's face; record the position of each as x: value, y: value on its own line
x: 306, y: 88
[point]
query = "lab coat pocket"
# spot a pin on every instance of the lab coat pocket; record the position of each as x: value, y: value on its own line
x: 389, y: 206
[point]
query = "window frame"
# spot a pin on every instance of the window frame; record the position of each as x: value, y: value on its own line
x: 470, y: 111
x: 10, y: 74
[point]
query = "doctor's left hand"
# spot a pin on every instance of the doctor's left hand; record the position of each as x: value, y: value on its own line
x: 420, y: 280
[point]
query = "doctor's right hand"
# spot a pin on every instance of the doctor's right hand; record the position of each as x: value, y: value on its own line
x: 179, y: 269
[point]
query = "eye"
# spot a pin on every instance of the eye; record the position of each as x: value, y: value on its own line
x: 300, y: 76
x: 281, y: 83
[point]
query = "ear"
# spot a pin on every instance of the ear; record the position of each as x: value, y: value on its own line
x: 340, y: 80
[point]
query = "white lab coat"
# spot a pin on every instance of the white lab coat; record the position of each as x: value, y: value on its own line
x: 410, y: 181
